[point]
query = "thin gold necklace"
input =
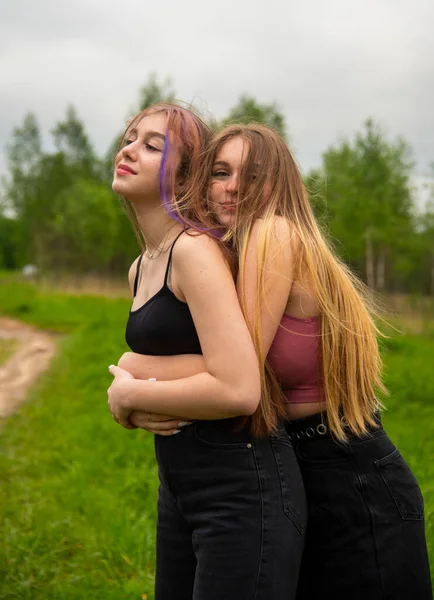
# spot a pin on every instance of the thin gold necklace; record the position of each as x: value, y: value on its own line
x: 158, y: 251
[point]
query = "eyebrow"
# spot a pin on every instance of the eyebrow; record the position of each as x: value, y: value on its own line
x: 152, y: 134
x: 223, y: 163
x: 149, y: 134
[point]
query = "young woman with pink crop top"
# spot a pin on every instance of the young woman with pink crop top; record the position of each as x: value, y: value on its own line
x: 314, y: 332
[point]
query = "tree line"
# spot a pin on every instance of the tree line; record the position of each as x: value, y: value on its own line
x: 57, y: 210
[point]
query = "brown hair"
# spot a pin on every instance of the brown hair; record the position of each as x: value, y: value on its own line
x: 351, y: 365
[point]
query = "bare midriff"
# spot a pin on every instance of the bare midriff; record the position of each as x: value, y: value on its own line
x: 298, y: 411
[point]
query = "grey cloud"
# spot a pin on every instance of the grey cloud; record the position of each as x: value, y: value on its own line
x: 328, y: 66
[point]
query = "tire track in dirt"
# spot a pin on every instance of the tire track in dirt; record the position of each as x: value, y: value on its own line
x: 35, y: 350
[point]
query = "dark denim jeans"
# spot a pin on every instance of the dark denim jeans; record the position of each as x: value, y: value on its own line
x: 366, y: 537
x: 231, y: 515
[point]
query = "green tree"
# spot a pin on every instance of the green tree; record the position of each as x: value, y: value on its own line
x: 23, y: 158
x: 71, y: 140
x: 248, y: 110
x: 429, y: 245
x: 368, y: 198
x: 37, y: 179
x: 84, y: 228
x: 23, y: 155
x: 152, y: 91
x: 12, y: 244
x: 427, y: 238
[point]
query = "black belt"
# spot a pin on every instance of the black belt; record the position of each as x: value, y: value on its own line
x: 316, y: 426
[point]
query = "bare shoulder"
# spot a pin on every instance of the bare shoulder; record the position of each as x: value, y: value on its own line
x: 281, y: 232
x: 195, y: 247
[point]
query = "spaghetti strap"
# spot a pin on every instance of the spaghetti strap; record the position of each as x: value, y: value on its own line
x: 170, y: 257
x: 136, y: 278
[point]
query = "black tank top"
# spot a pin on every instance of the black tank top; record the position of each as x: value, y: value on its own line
x: 163, y: 325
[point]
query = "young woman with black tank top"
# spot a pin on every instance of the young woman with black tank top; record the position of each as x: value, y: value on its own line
x: 313, y: 321
x: 231, y: 505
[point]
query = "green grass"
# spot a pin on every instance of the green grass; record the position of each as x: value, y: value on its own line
x: 78, y: 493
x: 7, y: 348
x: 409, y: 418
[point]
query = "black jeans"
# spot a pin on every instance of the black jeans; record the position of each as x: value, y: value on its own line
x: 366, y: 536
x: 231, y: 515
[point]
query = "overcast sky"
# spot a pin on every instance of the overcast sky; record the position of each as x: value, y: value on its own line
x: 328, y: 64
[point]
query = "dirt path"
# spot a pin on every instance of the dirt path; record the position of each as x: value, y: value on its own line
x: 35, y: 350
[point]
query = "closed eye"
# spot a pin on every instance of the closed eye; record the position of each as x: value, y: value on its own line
x: 152, y: 148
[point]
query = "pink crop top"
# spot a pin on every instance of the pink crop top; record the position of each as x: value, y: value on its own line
x: 294, y: 357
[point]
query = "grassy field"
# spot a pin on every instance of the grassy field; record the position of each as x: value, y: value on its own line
x: 7, y: 348
x: 77, y: 492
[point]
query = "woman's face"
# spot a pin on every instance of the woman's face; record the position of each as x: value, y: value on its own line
x: 137, y: 164
x: 223, y: 191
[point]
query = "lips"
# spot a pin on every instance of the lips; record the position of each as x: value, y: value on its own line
x: 125, y: 169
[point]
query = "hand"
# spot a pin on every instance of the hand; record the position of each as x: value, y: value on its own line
x: 117, y: 395
x: 157, y: 424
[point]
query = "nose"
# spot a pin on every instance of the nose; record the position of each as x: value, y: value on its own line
x: 231, y: 185
x: 129, y: 151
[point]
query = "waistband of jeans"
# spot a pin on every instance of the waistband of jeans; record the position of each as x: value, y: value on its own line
x: 232, y: 430
x: 317, y: 427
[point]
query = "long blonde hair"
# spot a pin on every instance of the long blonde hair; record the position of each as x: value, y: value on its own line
x: 350, y: 363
